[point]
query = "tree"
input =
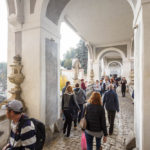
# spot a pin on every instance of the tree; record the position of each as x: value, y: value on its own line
x: 83, y: 55
x: 81, y: 52
x: 68, y: 64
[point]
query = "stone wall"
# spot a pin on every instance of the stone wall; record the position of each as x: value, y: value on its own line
x: 51, y: 82
x: 4, y: 129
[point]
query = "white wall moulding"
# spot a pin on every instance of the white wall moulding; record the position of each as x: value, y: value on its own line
x: 16, y: 12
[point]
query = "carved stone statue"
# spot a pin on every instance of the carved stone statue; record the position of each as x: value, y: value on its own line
x: 76, y: 66
x: 16, y: 77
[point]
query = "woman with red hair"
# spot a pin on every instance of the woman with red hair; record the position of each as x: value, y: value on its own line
x: 96, y: 122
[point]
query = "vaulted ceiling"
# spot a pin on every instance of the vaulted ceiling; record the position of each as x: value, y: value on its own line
x: 100, y: 22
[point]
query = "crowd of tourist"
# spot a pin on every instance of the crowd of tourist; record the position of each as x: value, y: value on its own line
x: 27, y: 133
x: 75, y: 106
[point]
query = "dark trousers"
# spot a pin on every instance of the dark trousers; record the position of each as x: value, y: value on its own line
x: 78, y: 115
x: 111, y: 119
x: 123, y: 90
x: 68, y: 122
x: 75, y: 117
x: 89, y: 141
x: 101, y: 92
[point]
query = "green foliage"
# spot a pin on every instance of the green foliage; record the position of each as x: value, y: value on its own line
x: 68, y: 64
x: 80, y: 52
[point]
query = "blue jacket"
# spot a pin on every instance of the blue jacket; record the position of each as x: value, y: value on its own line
x: 110, y: 101
x: 63, y: 90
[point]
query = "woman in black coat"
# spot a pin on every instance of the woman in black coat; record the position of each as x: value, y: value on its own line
x: 96, y: 122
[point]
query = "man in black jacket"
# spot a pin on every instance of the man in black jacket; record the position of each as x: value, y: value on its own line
x: 110, y: 101
x: 123, y: 86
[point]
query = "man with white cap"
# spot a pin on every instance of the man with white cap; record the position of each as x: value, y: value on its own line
x: 22, y: 136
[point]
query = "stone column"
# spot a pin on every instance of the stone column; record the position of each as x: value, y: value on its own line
x: 126, y: 68
x: 105, y: 67
x: 142, y: 77
x: 91, y: 80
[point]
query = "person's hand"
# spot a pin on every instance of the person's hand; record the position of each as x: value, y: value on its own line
x: 5, y: 147
x: 104, y: 139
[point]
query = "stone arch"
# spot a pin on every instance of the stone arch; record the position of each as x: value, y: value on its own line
x: 121, y: 69
x: 107, y: 50
x: 52, y: 9
x: 15, y: 11
x: 114, y: 62
x: 46, y: 5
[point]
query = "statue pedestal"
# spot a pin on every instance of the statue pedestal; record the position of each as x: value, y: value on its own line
x: 91, y: 77
x: 76, y: 81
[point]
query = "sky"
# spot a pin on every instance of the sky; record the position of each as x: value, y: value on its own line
x: 69, y: 39
x: 3, y: 31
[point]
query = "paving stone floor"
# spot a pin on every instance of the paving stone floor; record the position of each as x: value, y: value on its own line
x: 123, y: 125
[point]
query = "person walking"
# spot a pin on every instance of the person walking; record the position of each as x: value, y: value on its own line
x: 96, y: 122
x: 83, y: 85
x: 23, y: 137
x: 64, y: 89
x: 123, y: 86
x: 101, y: 87
x: 80, y: 97
x: 97, y: 87
x: 69, y: 104
x: 113, y: 82
x: 106, y: 84
x: 110, y: 102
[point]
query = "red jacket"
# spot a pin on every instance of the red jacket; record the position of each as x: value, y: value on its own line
x: 83, y: 86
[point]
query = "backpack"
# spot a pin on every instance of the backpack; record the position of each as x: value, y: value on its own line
x: 80, y: 96
x: 39, y: 131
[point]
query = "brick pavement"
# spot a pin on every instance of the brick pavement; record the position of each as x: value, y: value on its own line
x: 123, y: 125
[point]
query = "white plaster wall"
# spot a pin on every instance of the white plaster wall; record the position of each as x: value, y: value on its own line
x: 126, y: 68
x: 31, y: 70
x: 145, y: 76
x: 137, y: 84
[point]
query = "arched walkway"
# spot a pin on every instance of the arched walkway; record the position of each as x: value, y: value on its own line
x: 124, y: 124
x: 32, y: 35
x: 116, y: 62
x: 108, y: 50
